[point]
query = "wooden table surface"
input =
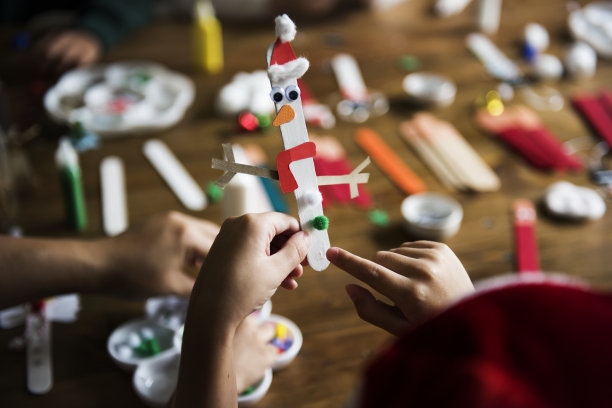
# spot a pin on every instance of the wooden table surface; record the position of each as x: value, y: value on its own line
x: 337, y: 343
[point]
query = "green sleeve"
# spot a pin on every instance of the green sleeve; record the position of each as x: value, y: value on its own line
x: 112, y: 20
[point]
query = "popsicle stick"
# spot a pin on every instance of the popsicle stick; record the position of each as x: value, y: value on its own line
x: 175, y: 175
x: 389, y: 162
x: 347, y: 73
x: 430, y: 157
x: 38, y: 353
x: 525, y: 244
x: 114, y: 205
x: 459, y: 156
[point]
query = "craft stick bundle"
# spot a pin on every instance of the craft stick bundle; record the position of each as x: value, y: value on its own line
x: 448, y: 154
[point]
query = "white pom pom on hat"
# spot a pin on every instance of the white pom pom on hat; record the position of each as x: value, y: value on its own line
x: 285, y: 28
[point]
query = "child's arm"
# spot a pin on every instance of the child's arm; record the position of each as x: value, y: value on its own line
x: 149, y: 259
x: 420, y: 278
x: 251, y: 257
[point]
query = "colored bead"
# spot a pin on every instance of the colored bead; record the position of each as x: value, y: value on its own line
x: 247, y: 121
x: 320, y: 223
x: 378, y: 217
x: 214, y: 192
x: 409, y: 63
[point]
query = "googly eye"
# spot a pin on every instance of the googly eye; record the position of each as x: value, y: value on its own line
x: 292, y: 93
x: 276, y: 94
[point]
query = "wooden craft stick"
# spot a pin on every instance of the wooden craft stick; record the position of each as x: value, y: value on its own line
x: 430, y: 157
x: 114, y: 203
x: 389, y: 162
x: 452, y: 148
x: 525, y: 244
x: 175, y: 175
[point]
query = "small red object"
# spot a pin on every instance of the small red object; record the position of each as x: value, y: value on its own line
x: 597, y: 111
x: 248, y: 121
x: 525, y: 244
x: 286, y: 157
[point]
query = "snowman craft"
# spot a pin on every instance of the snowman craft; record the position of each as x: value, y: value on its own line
x: 295, y: 166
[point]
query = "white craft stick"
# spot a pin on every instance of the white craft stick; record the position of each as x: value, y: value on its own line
x: 38, y: 354
x: 447, y: 8
x: 114, y: 205
x: 353, y: 179
x: 175, y: 175
x: 489, y: 15
x: 494, y: 60
x: 348, y: 75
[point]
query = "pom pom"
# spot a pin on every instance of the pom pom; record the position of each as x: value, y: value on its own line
x: 285, y: 28
x: 320, y: 222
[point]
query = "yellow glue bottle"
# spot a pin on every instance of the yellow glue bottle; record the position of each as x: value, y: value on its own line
x: 208, y: 41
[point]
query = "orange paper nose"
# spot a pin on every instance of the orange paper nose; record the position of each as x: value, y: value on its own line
x: 284, y: 115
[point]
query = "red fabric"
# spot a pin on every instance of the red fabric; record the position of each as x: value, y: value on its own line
x: 286, y: 157
x: 530, y: 346
x: 540, y: 148
x: 597, y: 112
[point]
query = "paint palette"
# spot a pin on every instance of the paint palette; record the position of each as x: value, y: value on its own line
x: 137, y: 341
x: 120, y: 98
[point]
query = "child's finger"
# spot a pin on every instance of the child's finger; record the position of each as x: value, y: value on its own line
x: 403, y: 261
x: 378, y: 277
x: 292, y: 253
x: 374, y: 311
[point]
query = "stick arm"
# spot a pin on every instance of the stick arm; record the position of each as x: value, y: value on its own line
x: 352, y: 179
x: 231, y: 168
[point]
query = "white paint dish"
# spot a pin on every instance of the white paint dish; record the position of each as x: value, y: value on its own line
x: 294, y: 333
x: 118, y: 343
x: 430, y: 89
x: 155, y: 380
x: 431, y: 215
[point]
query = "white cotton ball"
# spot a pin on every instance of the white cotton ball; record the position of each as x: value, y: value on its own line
x: 147, y: 333
x: 124, y: 351
x: 581, y: 60
x: 548, y: 67
x: 313, y: 197
x: 536, y: 36
x: 134, y: 340
x: 566, y: 200
x: 232, y: 99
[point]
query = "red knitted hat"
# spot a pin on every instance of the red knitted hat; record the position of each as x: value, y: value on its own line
x: 534, y: 345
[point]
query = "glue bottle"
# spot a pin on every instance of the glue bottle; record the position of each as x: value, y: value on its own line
x: 67, y: 161
x: 208, y: 41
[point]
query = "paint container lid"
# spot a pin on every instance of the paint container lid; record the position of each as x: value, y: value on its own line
x: 431, y: 215
x: 155, y: 379
x: 430, y: 89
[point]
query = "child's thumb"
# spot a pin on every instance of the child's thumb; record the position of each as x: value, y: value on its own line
x: 292, y: 253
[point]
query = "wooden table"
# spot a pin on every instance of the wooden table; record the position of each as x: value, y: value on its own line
x: 336, y: 343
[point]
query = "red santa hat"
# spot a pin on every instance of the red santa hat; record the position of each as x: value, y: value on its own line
x: 282, y: 62
x: 528, y: 345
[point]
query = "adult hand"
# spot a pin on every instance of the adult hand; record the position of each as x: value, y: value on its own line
x: 153, y: 258
x: 60, y: 51
x: 420, y: 278
x: 251, y: 257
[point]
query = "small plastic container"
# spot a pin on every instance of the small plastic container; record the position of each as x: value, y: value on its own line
x: 431, y: 215
x: 259, y: 391
x: 293, y: 336
x: 429, y: 89
x: 155, y: 379
x: 122, y: 351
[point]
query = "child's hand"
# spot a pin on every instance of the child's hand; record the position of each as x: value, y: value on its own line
x: 253, y: 352
x: 420, y: 278
x: 251, y: 257
x: 59, y: 52
x: 152, y: 258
